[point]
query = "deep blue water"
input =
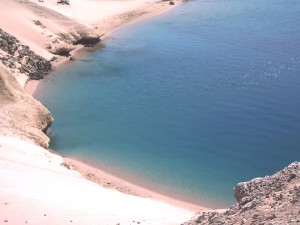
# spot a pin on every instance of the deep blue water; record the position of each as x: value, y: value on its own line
x: 188, y: 103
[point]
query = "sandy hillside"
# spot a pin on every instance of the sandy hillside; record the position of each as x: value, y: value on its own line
x: 43, y: 26
x: 35, y: 188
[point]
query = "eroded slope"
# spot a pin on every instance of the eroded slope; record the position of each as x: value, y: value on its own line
x: 20, y: 115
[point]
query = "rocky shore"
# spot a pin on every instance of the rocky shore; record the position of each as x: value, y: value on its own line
x: 271, y: 200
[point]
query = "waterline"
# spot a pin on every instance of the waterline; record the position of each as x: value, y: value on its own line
x: 189, y: 103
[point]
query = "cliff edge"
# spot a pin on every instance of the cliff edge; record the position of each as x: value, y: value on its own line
x: 20, y: 114
x: 270, y: 200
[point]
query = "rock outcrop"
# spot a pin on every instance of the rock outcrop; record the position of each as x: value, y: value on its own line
x: 61, y: 49
x: 63, y: 2
x: 19, y: 57
x: 271, y: 200
x: 87, y: 40
x: 66, y: 42
x: 20, y: 114
x: 80, y: 36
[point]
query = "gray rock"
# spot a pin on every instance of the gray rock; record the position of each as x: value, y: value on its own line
x: 255, y: 204
x: 21, y: 57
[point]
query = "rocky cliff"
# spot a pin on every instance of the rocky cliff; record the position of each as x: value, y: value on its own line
x: 271, y: 200
x: 20, y: 114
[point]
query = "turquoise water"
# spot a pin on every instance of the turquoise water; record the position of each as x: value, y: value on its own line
x: 188, y: 103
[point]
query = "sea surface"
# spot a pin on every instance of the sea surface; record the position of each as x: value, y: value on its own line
x: 187, y: 103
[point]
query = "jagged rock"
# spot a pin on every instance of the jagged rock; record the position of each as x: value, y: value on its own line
x: 270, y: 200
x: 21, y: 57
x: 171, y: 3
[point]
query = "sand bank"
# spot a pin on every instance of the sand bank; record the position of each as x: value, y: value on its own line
x: 36, y: 188
x: 110, y: 181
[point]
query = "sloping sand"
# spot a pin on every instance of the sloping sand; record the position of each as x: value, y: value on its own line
x: 35, y: 188
x: 18, y: 20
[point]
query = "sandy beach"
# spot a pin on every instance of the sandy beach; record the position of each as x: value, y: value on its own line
x: 37, y: 188
x: 40, y: 187
x: 110, y: 181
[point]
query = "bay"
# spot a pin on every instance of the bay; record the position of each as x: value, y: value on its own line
x: 187, y: 103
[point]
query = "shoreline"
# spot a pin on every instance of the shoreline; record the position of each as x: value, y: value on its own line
x: 40, y: 186
x: 99, y: 175
x: 31, y: 86
x: 111, y: 181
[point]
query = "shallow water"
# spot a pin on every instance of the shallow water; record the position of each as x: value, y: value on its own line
x: 188, y: 103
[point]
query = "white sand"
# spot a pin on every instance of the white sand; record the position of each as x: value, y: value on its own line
x: 89, y: 12
x: 36, y: 188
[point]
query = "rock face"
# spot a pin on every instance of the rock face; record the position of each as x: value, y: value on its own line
x: 87, y: 40
x: 81, y: 37
x: 270, y: 200
x: 20, y: 58
x: 20, y: 115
